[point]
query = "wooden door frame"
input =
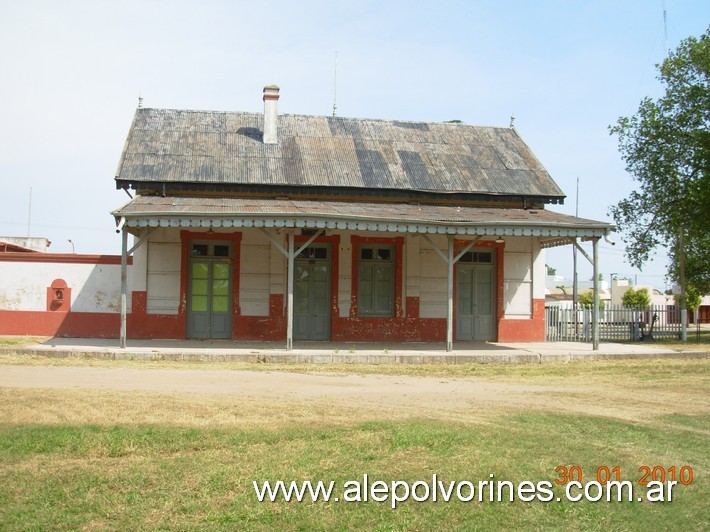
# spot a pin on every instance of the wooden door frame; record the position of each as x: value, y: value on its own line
x: 329, y: 282
x: 185, y: 237
x: 498, y: 251
x: 334, y: 241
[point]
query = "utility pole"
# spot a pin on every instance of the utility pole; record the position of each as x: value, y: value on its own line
x: 575, y: 294
x: 29, y: 215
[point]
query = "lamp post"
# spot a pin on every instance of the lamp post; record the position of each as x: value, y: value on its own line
x: 72, y: 246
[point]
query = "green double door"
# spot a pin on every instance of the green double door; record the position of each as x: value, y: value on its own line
x: 209, y: 308
x: 311, y: 301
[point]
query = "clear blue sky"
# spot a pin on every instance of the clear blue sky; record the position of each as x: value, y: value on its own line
x: 72, y: 72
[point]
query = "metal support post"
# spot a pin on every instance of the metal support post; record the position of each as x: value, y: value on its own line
x: 450, y: 261
x: 450, y: 299
x: 124, y: 284
x: 595, y: 308
x: 289, y: 304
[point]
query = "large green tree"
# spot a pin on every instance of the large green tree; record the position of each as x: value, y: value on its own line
x: 666, y: 148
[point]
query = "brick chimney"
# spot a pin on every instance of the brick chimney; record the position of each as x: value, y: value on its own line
x: 271, y: 117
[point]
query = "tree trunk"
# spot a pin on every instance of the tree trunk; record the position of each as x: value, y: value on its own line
x: 681, y: 280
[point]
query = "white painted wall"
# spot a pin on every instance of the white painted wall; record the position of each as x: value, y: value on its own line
x: 263, y: 272
x: 518, y: 277
x: 277, y: 267
x: 255, y: 278
x: 539, y: 270
x: 138, y: 274
x: 346, y: 274
x: 164, y: 256
x: 412, y: 268
x: 433, y: 278
x: 95, y: 287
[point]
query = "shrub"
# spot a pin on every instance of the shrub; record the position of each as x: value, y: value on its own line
x: 636, y: 298
x: 586, y: 300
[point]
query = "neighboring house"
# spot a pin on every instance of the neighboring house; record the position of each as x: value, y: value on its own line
x: 559, y: 291
x: 703, y: 311
x: 9, y: 244
x: 619, y: 287
x: 268, y: 227
x: 562, y: 296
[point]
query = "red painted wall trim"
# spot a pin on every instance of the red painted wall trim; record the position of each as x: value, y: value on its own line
x: 412, y: 307
x: 260, y: 328
x: 186, y: 237
x: 93, y: 324
x: 524, y: 330
x: 72, y: 324
x: 58, y: 296
x: 271, y: 328
x: 66, y: 258
x: 143, y: 325
x: 390, y: 329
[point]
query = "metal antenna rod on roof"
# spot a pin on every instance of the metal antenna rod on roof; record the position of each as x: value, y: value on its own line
x: 335, y: 83
x: 665, y: 26
x: 29, y: 215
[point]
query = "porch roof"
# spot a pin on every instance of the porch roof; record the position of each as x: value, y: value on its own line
x: 157, y: 211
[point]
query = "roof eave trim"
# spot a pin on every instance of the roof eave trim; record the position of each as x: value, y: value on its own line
x: 500, y: 228
x: 286, y: 189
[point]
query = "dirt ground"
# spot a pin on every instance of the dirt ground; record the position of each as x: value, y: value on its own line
x: 59, y: 394
x: 404, y: 393
x: 383, y: 389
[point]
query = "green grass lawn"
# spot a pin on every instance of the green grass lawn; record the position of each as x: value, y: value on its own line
x: 698, y: 340
x: 19, y: 341
x: 89, y: 476
x: 138, y: 475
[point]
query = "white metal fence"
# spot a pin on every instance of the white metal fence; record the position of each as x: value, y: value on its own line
x: 615, y: 323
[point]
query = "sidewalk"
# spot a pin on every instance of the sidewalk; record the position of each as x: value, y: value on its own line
x: 344, y: 353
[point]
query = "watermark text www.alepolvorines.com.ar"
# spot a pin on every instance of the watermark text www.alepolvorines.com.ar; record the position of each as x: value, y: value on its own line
x: 436, y: 490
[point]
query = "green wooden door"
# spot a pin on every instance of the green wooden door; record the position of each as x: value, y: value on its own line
x: 311, y: 302
x: 475, y: 297
x: 484, y: 304
x: 209, y: 308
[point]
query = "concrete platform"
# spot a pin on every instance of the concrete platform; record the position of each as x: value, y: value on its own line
x: 345, y: 353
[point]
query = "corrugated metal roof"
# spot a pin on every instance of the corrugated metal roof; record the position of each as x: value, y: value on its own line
x: 154, y: 211
x: 174, y: 146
